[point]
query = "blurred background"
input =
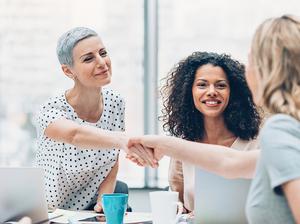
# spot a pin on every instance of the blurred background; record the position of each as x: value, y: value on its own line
x: 30, y: 72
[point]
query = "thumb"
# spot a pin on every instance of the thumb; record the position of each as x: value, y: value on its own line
x: 158, y: 155
x: 98, y: 207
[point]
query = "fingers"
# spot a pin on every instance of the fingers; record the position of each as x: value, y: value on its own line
x: 191, y: 214
x: 144, y: 149
x: 136, y: 156
x: 144, y: 155
x: 98, y: 207
x: 150, y: 154
x: 25, y: 220
x: 133, y: 159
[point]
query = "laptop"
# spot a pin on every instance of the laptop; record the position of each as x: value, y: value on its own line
x: 22, y: 194
x: 220, y: 200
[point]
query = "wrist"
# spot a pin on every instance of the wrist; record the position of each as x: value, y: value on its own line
x: 121, y: 140
x: 163, y: 144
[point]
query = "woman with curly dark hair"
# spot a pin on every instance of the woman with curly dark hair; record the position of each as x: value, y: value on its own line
x: 206, y: 100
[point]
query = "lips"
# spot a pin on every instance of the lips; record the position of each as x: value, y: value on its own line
x: 212, y: 102
x: 104, y: 72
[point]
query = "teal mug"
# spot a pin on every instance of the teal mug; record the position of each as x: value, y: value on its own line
x: 114, y: 207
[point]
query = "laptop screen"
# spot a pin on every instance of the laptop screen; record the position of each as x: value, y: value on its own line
x: 22, y: 193
x: 220, y: 200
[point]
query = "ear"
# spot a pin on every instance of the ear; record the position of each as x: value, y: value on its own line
x: 68, y: 71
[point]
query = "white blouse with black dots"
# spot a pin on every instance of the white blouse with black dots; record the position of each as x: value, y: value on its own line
x: 72, y: 176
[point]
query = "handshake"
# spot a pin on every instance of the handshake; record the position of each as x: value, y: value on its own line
x: 145, y: 150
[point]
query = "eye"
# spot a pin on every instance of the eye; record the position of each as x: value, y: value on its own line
x: 103, y: 53
x: 202, y: 85
x: 88, y: 59
x: 221, y: 85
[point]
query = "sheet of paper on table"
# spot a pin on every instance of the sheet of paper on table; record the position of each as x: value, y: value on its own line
x: 130, y: 217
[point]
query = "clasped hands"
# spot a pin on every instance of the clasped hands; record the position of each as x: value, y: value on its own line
x: 144, y: 151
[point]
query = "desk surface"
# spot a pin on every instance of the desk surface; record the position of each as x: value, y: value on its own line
x: 130, y: 217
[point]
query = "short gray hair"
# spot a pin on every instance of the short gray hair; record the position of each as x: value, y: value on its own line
x: 68, y: 41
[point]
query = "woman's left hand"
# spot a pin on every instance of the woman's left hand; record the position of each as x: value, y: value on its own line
x: 25, y: 220
x: 98, y: 207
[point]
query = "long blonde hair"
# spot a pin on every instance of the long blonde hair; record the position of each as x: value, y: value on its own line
x: 275, y: 55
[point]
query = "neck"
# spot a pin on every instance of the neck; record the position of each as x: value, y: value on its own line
x: 216, y: 132
x: 87, y: 102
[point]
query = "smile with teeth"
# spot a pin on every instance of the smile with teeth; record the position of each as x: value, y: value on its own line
x: 211, y: 102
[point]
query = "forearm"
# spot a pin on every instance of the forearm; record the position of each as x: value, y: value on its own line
x: 218, y: 159
x: 292, y: 194
x: 109, y: 183
x: 84, y: 136
x: 91, y: 137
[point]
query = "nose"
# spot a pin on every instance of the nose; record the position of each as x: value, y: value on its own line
x: 100, y: 61
x: 211, y: 90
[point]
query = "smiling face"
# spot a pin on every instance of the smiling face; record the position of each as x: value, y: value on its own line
x: 92, y: 65
x: 211, y: 90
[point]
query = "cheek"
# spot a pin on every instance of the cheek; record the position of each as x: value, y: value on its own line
x: 253, y: 85
x: 108, y: 62
x: 194, y: 97
x: 225, y: 95
x: 197, y: 95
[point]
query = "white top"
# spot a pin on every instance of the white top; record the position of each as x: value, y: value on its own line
x: 72, y: 175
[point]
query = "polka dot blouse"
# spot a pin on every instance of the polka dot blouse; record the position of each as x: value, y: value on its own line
x: 72, y: 176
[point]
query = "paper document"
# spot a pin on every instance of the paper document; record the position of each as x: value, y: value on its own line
x: 130, y: 217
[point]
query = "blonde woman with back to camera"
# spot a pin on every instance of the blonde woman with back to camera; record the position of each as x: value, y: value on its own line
x: 274, y: 78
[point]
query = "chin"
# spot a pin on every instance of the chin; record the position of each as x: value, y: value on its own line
x: 105, y: 81
x: 212, y: 114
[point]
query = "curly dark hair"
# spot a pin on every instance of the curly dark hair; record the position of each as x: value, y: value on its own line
x: 180, y: 116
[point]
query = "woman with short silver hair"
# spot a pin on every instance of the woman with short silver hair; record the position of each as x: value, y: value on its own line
x: 80, y: 131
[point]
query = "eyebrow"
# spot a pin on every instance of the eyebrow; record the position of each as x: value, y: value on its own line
x: 89, y: 53
x: 204, y: 80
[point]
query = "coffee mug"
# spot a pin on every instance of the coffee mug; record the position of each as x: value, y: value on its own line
x: 165, y: 207
x: 114, y: 207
